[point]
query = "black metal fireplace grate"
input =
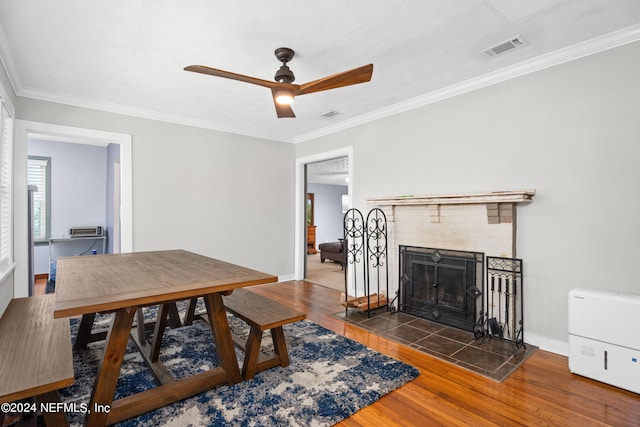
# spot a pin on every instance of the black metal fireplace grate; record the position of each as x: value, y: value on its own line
x: 442, y: 285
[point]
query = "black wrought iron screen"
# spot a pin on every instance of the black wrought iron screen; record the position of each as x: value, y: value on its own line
x: 366, y: 256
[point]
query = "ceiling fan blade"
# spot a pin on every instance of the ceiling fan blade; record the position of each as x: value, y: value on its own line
x: 233, y: 76
x: 346, y: 78
x: 282, y: 110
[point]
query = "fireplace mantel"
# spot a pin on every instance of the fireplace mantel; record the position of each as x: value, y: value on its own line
x: 518, y: 196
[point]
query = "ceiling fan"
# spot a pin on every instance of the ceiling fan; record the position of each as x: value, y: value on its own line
x: 283, y: 89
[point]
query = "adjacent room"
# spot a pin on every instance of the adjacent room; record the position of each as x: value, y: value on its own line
x: 414, y: 213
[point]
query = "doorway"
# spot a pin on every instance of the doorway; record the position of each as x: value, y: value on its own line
x: 325, y: 177
x: 27, y: 129
x: 74, y: 187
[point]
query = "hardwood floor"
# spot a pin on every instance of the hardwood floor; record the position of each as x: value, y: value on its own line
x: 328, y: 273
x: 40, y: 284
x: 541, y: 392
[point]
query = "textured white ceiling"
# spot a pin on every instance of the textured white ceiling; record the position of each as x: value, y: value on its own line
x: 128, y: 55
x: 332, y: 172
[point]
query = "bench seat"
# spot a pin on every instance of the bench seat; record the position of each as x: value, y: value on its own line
x: 262, y: 314
x: 35, y: 354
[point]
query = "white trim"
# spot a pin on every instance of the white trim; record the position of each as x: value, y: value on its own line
x: 23, y: 129
x: 300, y: 197
x: 142, y: 113
x: 286, y: 278
x: 5, y: 270
x: 547, y: 344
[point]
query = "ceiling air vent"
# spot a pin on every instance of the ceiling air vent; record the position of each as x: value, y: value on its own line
x: 505, y: 46
x: 330, y: 114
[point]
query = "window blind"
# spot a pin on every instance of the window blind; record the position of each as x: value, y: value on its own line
x: 37, y: 174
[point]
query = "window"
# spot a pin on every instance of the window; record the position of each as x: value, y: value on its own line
x: 6, y: 138
x: 39, y: 174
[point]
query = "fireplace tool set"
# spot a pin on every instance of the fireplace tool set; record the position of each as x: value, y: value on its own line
x: 503, y: 317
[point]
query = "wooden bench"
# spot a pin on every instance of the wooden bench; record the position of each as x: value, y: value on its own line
x: 35, y: 355
x: 261, y: 314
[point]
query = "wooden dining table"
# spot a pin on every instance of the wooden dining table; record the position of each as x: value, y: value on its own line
x: 122, y: 284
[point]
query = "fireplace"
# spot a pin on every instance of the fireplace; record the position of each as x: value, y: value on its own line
x: 442, y: 285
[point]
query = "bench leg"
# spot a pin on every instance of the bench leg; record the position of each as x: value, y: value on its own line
x: 57, y: 418
x: 251, y: 353
x: 280, y: 345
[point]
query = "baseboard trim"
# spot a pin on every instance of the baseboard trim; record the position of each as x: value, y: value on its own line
x: 548, y: 344
x: 286, y: 278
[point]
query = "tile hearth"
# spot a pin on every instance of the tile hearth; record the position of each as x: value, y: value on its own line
x: 492, y: 357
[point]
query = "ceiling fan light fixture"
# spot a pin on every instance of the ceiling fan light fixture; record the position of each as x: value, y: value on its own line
x: 284, y: 97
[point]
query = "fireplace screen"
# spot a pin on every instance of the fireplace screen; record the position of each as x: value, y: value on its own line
x: 442, y: 285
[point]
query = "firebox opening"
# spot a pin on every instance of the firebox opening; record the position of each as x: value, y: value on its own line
x: 442, y: 285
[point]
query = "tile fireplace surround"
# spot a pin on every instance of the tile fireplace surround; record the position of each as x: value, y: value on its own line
x: 480, y: 222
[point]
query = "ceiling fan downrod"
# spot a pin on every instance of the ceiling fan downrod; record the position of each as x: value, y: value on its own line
x: 284, y: 74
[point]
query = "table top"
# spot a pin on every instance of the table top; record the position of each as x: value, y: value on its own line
x: 98, y: 283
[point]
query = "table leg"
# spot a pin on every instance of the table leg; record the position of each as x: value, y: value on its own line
x: 191, y: 312
x: 158, y: 332
x: 174, y: 316
x: 107, y: 377
x: 141, y: 326
x: 222, y: 337
x: 83, y: 337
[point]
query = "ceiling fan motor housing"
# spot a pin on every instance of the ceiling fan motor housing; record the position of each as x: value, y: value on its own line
x: 284, y: 75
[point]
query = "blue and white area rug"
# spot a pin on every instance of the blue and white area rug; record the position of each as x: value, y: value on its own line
x: 330, y: 378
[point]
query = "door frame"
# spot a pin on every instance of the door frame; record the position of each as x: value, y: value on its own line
x: 300, y: 233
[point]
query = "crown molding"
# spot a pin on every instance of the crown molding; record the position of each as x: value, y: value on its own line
x: 141, y: 113
x: 558, y: 57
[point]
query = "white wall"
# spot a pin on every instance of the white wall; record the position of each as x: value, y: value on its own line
x: 571, y: 132
x: 328, y: 214
x: 218, y: 194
